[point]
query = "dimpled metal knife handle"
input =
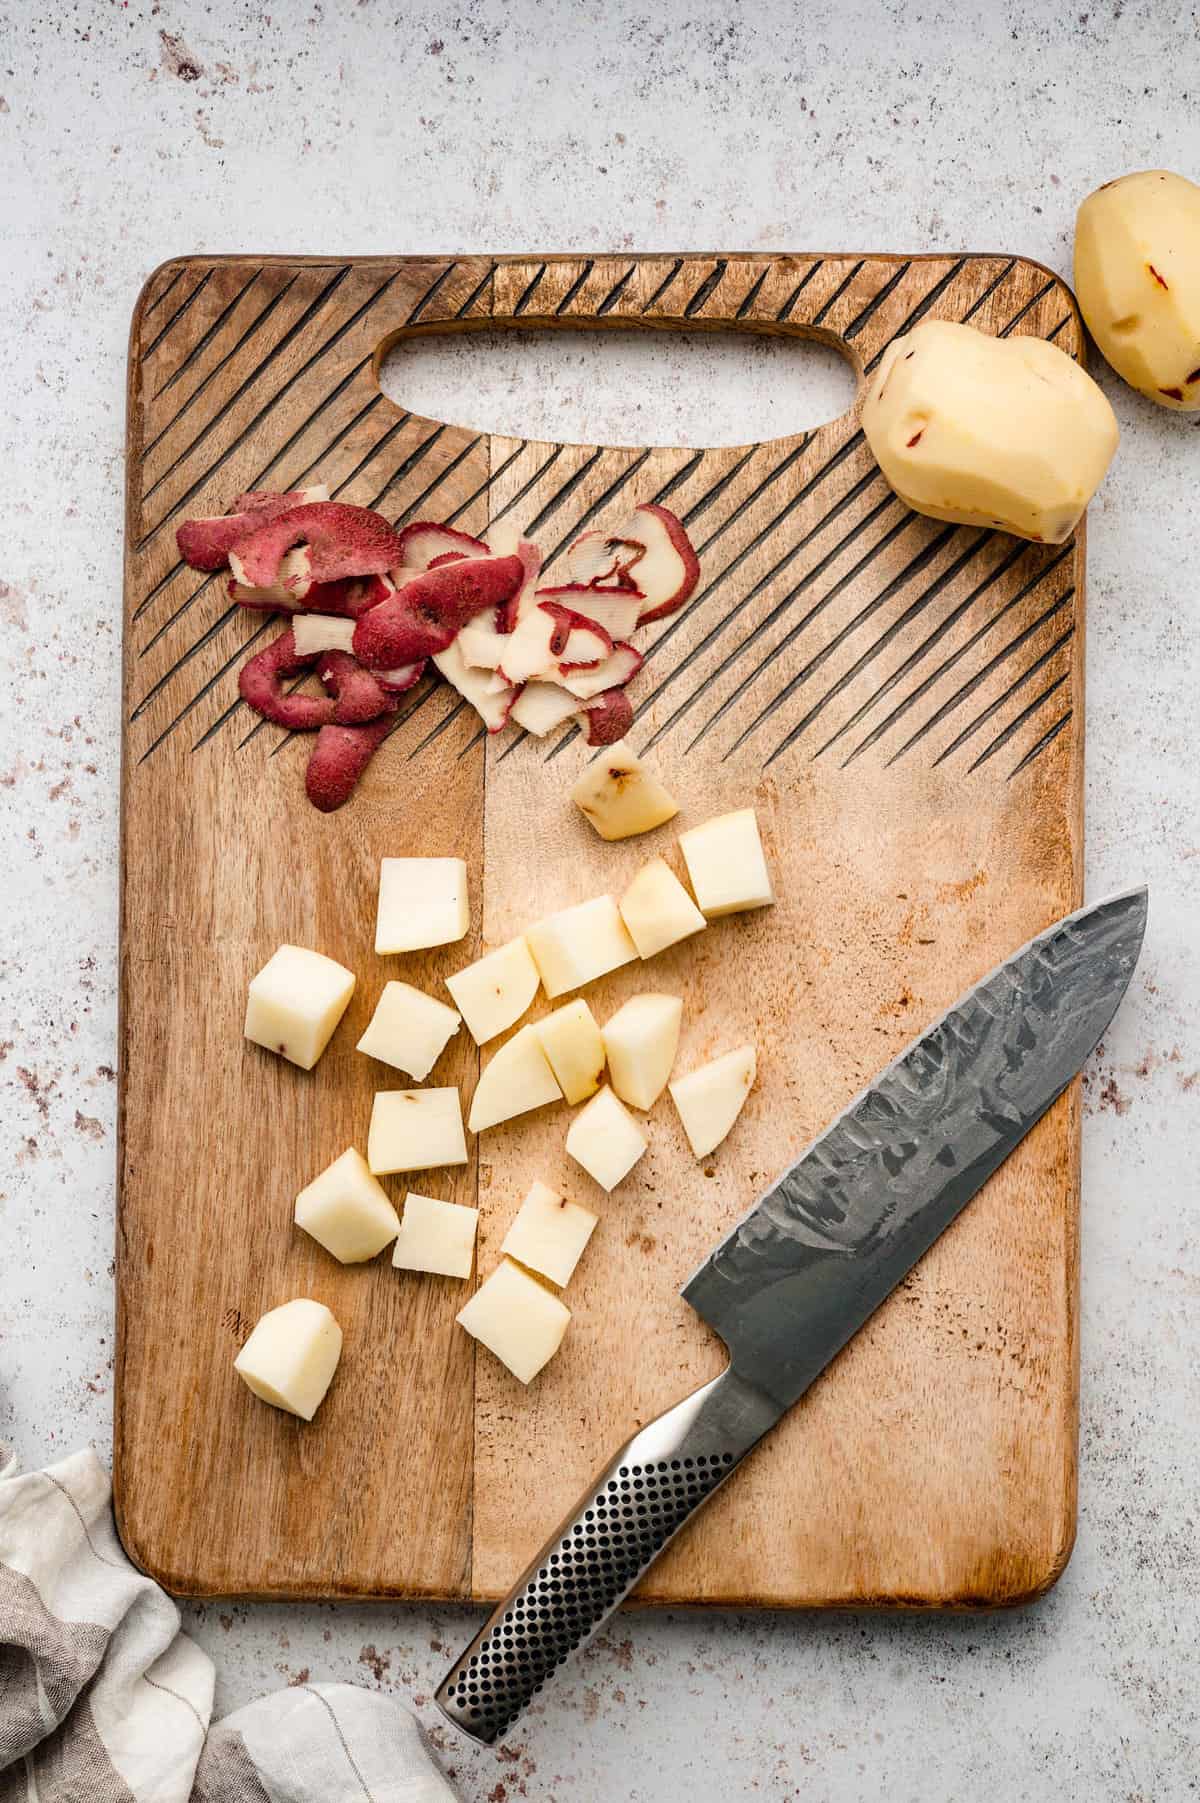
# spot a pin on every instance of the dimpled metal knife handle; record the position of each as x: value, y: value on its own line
x: 623, y: 1522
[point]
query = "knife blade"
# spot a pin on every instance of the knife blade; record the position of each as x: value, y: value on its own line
x: 797, y: 1277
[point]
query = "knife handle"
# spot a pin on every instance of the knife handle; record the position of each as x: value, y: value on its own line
x: 596, y: 1556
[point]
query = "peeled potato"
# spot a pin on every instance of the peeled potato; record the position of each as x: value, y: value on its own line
x: 984, y: 431
x: 1137, y: 278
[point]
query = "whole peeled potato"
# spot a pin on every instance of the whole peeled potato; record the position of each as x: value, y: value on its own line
x: 985, y: 431
x: 1137, y: 278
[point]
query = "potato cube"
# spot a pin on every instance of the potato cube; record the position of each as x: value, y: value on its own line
x: 517, y: 1079
x: 495, y: 991
x: 606, y: 1140
x: 640, y: 1042
x: 578, y: 944
x: 291, y: 1356
x: 571, y: 1041
x: 436, y: 1236
x: 725, y: 863
x: 987, y: 431
x: 409, y: 1030
x: 710, y: 1099
x: 346, y: 1211
x: 295, y: 1002
x: 414, y: 1129
x: 620, y: 796
x: 658, y: 910
x: 549, y: 1234
x: 517, y: 1318
x: 422, y: 902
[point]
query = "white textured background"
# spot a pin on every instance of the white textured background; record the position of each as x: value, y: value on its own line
x: 132, y: 131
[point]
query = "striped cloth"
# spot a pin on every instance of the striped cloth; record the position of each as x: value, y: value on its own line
x: 104, y: 1700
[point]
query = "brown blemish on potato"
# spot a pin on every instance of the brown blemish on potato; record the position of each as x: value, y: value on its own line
x: 1194, y: 376
x: 1157, y: 277
x: 915, y: 439
x: 1173, y: 394
x: 1128, y: 323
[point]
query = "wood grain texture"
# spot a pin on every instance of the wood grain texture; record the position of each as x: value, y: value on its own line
x: 903, y: 702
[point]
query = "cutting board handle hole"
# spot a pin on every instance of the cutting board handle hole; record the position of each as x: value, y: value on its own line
x: 700, y: 389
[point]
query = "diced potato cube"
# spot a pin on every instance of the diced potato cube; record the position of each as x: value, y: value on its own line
x: 517, y: 1079
x: 415, y: 1129
x: 549, y: 1234
x: 620, y: 796
x: 291, y: 1356
x: 346, y: 1211
x: 710, y: 1099
x: 725, y: 863
x: 436, y: 1236
x: 658, y: 910
x: 295, y: 1002
x: 578, y: 944
x: 495, y: 991
x: 572, y: 1044
x: 988, y: 431
x: 517, y: 1318
x: 409, y: 1030
x: 422, y: 902
x: 606, y: 1140
x: 640, y: 1042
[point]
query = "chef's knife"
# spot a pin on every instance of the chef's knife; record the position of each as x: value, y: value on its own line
x: 799, y: 1275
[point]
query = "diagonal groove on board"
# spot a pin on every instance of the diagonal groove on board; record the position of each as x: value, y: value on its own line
x: 981, y: 675
x: 525, y: 487
x: 589, y: 514
x: 529, y: 290
x: 1046, y: 739
x: 1026, y: 714
x: 676, y: 266
x: 247, y: 382
x: 617, y: 290
x: 376, y: 450
x: 439, y: 729
x: 921, y: 309
x: 1030, y: 304
x: 819, y: 316
x: 927, y: 644
x: 877, y: 300
x: 477, y: 493
x: 443, y: 475
x: 866, y: 658
x: 708, y: 287
x: 916, y: 695
x: 183, y: 307
x: 211, y: 683
x: 162, y: 294
x: 913, y: 567
x: 202, y: 343
x: 477, y: 290
x: 785, y: 311
x: 434, y: 287
x: 993, y: 708
x: 718, y: 488
x: 576, y: 285
x: 810, y: 576
x: 752, y: 292
x: 248, y: 430
x: 259, y: 320
x: 563, y: 494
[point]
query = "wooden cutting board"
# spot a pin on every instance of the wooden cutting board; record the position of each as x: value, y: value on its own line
x: 901, y: 700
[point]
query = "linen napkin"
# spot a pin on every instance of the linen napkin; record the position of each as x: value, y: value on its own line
x: 104, y: 1700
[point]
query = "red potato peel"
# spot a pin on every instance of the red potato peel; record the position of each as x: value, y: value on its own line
x: 422, y: 617
x: 339, y: 757
x: 426, y: 542
x: 358, y: 695
x: 205, y: 543
x: 260, y: 684
x: 341, y: 541
x: 576, y: 642
x: 607, y: 717
x: 613, y: 673
x: 670, y: 569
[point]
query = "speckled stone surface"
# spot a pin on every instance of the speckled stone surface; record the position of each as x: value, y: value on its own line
x: 131, y: 131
